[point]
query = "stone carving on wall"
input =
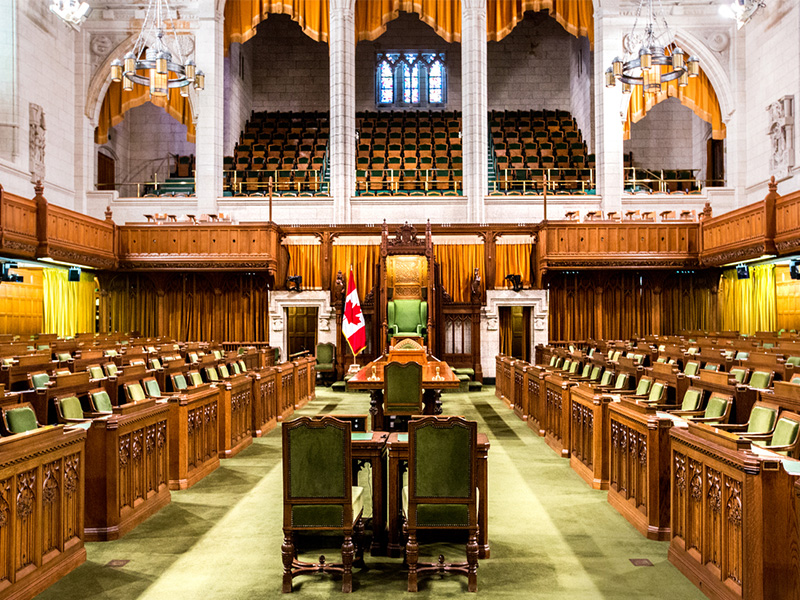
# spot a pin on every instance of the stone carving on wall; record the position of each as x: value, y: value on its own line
x: 36, y: 142
x: 781, y: 135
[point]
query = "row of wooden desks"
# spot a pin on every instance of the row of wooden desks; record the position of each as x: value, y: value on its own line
x: 388, y: 454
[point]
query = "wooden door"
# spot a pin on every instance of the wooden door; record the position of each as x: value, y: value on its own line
x: 302, y: 332
x: 106, y: 172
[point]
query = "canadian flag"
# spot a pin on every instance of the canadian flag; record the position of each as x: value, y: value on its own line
x: 353, y: 326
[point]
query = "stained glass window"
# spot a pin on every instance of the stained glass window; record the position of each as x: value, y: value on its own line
x: 411, y: 83
x: 410, y: 79
x: 386, y: 83
x: 436, y: 83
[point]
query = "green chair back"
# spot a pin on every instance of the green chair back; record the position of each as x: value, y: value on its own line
x: 622, y: 380
x: 567, y: 364
x: 795, y: 379
x: 211, y: 373
x: 785, y: 433
x: 223, y: 371
x: 644, y: 386
x: 40, y: 380
x: 595, y: 374
x: 691, y: 368
x: 793, y: 360
x: 760, y: 379
x: 402, y: 388
x: 242, y: 366
x: 739, y: 374
x: 21, y: 419
x: 762, y: 419
x: 442, y: 460
x: 152, y: 388
x: 553, y: 360
x: 717, y: 407
x: 711, y: 367
x: 656, y: 391
x: 768, y: 345
x: 111, y: 369
x: 235, y: 367
x: 101, y: 401
x: 606, y: 378
x: 587, y: 369
x: 217, y: 354
x: 179, y: 381
x: 96, y: 372
x: 193, y: 357
x: 573, y: 368
x: 407, y: 316
x: 661, y: 359
x: 325, y: 353
x: 692, y: 399
x: 134, y: 391
x: 558, y: 362
x: 71, y: 407
x: 615, y: 356
x: 155, y: 363
x: 195, y: 377
x: 742, y: 355
x: 63, y: 356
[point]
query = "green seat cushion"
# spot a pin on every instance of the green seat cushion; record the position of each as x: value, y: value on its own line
x: 196, y: 378
x: 691, y: 399
x: 71, y: 407
x: 96, y: 372
x: 223, y: 371
x: 102, y: 402
x: 465, y: 371
x: 793, y: 360
x: 739, y: 374
x: 438, y: 515
x: 691, y: 368
x: 326, y: 515
x: 644, y: 386
x: 656, y: 391
x: 179, y: 381
x: 135, y: 392
x: 606, y: 378
x: 153, y: 390
x: 762, y: 419
x: 717, y: 407
x: 462, y: 377
x: 40, y: 380
x: 760, y: 380
x: 21, y: 419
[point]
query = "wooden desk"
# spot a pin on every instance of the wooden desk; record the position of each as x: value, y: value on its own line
x: 371, y: 378
x: 397, y: 451
x: 371, y: 447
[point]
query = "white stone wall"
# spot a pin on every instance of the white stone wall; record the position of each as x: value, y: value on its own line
x: 772, y: 68
x: 45, y: 76
x: 664, y: 139
x: 406, y: 32
x: 289, y: 70
x: 581, y: 79
x: 530, y: 67
x: 238, y: 92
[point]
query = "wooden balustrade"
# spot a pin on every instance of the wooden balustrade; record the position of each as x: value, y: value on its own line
x: 639, y: 467
x: 234, y: 415
x: 127, y: 469
x: 18, y: 222
x: 70, y: 236
x: 589, y: 435
x: 42, y: 476
x: 265, y: 400
x: 787, y: 223
x: 741, y: 234
x: 193, y: 435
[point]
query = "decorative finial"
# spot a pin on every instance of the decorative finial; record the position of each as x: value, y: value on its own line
x: 39, y: 188
x: 108, y: 213
x: 773, y: 186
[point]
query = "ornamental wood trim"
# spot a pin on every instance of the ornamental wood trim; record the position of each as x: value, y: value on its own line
x: 741, y: 234
x: 69, y: 236
x: 17, y: 225
x: 787, y: 223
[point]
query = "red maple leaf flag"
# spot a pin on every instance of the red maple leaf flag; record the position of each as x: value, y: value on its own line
x: 353, y: 326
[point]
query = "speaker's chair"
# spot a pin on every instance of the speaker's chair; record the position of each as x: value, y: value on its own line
x: 407, y: 318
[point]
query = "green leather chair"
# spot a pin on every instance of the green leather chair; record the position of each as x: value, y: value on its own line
x: 692, y: 400
x: 100, y: 402
x: 718, y: 410
x: 151, y: 387
x: 242, y: 366
x: 111, y: 369
x: 794, y: 361
x: 739, y: 374
x: 606, y: 378
x: 96, y: 372
x: 318, y: 494
x: 223, y: 371
x: 235, y: 368
x: 407, y: 318
x: 68, y: 410
x: 194, y: 378
x: 762, y: 420
x: 211, y: 374
x: 691, y: 368
x: 18, y: 418
x: 178, y: 382
x: 784, y: 439
x: 761, y: 380
x: 326, y: 354
x: 442, y: 491
x: 402, y: 389
x: 643, y: 388
x: 39, y: 380
x: 155, y: 364
x: 134, y: 392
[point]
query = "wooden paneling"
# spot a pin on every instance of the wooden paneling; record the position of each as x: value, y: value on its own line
x: 742, y: 234
x: 787, y: 223
x: 589, y: 435
x: 787, y: 298
x: 205, y: 246
x: 557, y: 413
x: 22, y: 304
x: 194, y: 436
x: 286, y: 390
x: 235, y: 415
x: 69, y: 236
x: 41, y: 509
x: 17, y: 225
x: 265, y: 400
x: 521, y: 389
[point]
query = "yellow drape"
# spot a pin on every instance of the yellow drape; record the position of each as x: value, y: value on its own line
x: 506, y: 331
x: 243, y: 16
x: 458, y: 263
x: 444, y: 16
x: 699, y: 95
x: 363, y: 259
x: 304, y: 259
x: 512, y: 259
x: 748, y: 305
x: 576, y: 16
x: 69, y: 307
x: 117, y: 102
x: 21, y: 304
x: 788, y: 299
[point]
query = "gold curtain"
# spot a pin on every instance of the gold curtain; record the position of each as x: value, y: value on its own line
x: 304, y: 259
x: 512, y: 258
x: 458, y: 263
x: 444, y: 16
x: 69, y: 307
x: 506, y: 331
x: 192, y: 306
x: 576, y: 16
x: 699, y: 95
x: 117, y: 102
x: 787, y: 292
x: 21, y: 304
x: 243, y: 16
x: 363, y: 260
x: 748, y: 305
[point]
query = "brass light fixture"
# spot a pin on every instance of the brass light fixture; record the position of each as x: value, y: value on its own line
x: 647, y: 50
x: 151, y: 63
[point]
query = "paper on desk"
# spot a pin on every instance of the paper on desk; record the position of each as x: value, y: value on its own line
x: 676, y: 420
x: 360, y: 436
x: 791, y: 466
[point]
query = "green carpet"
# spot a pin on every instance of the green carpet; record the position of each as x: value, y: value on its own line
x: 551, y: 535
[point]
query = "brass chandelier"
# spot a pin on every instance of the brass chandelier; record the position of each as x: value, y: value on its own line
x: 151, y: 63
x: 646, y: 52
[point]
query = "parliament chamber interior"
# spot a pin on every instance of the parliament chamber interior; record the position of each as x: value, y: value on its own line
x: 389, y: 296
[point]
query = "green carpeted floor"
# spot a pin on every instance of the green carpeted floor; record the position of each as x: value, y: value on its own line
x: 551, y: 535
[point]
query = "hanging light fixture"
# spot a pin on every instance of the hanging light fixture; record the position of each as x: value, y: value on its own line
x: 72, y: 12
x: 647, y: 51
x: 151, y: 60
x: 741, y: 10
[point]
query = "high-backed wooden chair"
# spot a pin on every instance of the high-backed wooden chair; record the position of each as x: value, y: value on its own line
x: 762, y: 420
x: 318, y: 494
x: 402, y: 389
x: 442, y: 492
x: 784, y: 439
x: 717, y: 411
x: 134, y: 392
x: 68, y: 409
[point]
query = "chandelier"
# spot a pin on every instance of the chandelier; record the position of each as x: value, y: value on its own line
x: 151, y: 62
x: 72, y: 12
x: 647, y: 52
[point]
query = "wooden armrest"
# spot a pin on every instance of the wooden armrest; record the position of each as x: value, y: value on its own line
x: 688, y: 413
x: 756, y: 436
x: 779, y: 448
x: 670, y: 408
x: 705, y: 419
x: 733, y: 426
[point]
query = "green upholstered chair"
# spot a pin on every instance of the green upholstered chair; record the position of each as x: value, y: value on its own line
x: 615, y: 355
x: 151, y: 387
x: 692, y: 400
x: 193, y: 357
x: 39, y: 380
x: 691, y: 368
x: 711, y: 367
x: 567, y: 365
x: 573, y: 368
x: 326, y: 354
x: 784, y: 439
x: 111, y: 369
x: 762, y: 420
x: 657, y: 393
x: 194, y: 378
x: 242, y: 366
x: 558, y: 363
x: 318, y: 494
x: 217, y: 354
x: 235, y: 368
x: 402, y: 389
x: 442, y: 491
x: 100, y: 402
x: 18, y: 418
x: 740, y: 374
x: 223, y: 371
x: 742, y: 355
x: 135, y: 362
x: 761, y: 380
x: 553, y: 360
x: 794, y: 361
x: 155, y: 364
x: 211, y: 374
x: 96, y: 372
x: 606, y: 378
x: 717, y: 411
x: 407, y: 317
x: 63, y: 356
x: 134, y: 391
x: 643, y: 388
x: 178, y: 382
x: 68, y: 409
x: 595, y: 373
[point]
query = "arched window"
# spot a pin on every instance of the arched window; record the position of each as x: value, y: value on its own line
x: 404, y: 79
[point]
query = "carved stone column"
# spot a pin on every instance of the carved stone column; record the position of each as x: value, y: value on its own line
x: 474, y: 106
x: 342, y: 144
